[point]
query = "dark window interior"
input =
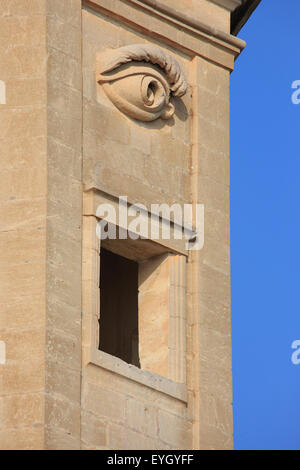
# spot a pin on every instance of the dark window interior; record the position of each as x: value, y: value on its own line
x: 119, y: 307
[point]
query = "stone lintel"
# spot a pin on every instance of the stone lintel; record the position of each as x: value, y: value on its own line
x: 93, y: 198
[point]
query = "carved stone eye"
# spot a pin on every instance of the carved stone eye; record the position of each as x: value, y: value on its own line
x: 141, y: 90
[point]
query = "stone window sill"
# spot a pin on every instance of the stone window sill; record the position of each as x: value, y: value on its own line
x: 148, y: 379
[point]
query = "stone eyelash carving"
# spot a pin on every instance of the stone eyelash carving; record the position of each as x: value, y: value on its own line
x: 142, y: 91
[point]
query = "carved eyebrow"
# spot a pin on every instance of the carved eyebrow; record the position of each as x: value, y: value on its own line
x: 110, y: 59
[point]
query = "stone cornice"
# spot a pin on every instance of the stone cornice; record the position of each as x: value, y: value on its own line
x: 188, y: 20
x: 177, y: 29
x: 230, y: 5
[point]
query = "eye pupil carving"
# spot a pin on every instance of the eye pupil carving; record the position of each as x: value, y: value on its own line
x: 154, y: 94
x: 151, y: 91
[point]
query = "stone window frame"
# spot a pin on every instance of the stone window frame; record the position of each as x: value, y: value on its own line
x: 176, y: 385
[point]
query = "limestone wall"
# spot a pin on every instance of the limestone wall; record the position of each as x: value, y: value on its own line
x: 118, y: 413
x: 184, y: 160
x: 22, y: 222
x: 63, y: 144
x: 148, y: 162
x: 209, y: 328
x: 64, y: 203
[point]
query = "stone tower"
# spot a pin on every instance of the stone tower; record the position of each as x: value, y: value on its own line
x: 115, y: 343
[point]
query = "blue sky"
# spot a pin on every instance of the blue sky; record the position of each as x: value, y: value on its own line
x: 265, y: 230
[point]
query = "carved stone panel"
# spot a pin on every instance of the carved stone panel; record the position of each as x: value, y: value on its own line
x: 140, y: 80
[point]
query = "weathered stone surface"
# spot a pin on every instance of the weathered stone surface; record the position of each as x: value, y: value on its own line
x: 60, y: 137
